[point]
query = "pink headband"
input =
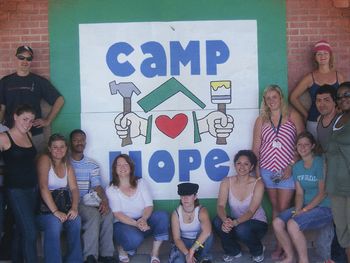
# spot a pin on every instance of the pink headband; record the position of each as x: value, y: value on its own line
x: 322, y: 45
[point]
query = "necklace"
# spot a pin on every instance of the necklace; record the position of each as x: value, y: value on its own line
x: 188, y: 216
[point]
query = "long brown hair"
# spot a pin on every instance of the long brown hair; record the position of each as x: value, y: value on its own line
x: 115, y: 176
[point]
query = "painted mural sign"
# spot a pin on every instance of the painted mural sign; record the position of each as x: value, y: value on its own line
x: 179, y: 97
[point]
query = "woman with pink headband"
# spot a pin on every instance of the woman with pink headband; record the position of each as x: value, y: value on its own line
x: 323, y: 74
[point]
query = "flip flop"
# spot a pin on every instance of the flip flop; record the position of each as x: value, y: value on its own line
x: 277, y: 256
x: 155, y: 259
x: 124, y: 258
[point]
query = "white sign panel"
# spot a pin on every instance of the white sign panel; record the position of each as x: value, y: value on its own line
x: 179, y: 97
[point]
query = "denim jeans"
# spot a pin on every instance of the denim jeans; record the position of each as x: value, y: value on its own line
x: 316, y: 218
x: 2, y: 212
x: 176, y: 256
x: 249, y: 233
x: 337, y: 252
x: 130, y: 237
x: 52, y: 228
x: 23, y: 203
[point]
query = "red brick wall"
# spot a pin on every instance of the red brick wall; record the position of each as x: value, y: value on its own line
x: 309, y: 21
x: 25, y: 22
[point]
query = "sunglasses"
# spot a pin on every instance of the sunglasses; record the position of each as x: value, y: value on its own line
x: 345, y: 95
x: 20, y: 57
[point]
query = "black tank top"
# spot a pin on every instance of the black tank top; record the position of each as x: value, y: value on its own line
x: 20, y: 167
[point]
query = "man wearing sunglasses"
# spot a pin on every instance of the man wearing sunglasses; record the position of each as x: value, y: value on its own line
x: 25, y: 87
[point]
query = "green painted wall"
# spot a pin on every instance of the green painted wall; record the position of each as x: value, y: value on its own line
x: 66, y: 15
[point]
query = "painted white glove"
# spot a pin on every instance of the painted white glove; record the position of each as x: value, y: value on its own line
x: 217, y: 124
x: 137, y: 125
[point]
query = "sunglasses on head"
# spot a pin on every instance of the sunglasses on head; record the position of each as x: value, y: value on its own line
x: 345, y: 95
x: 20, y: 57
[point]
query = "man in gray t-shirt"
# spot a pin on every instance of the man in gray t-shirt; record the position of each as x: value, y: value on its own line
x: 326, y: 105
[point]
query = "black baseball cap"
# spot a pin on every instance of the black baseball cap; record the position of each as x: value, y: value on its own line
x: 23, y: 49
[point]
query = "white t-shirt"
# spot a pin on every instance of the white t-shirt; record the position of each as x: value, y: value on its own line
x: 131, y: 206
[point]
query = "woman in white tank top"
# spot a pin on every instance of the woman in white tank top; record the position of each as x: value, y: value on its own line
x: 247, y: 222
x: 54, y: 172
x: 191, y: 228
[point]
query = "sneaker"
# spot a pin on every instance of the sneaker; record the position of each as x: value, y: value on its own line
x: 107, y: 259
x: 230, y: 258
x: 259, y: 258
x: 91, y: 259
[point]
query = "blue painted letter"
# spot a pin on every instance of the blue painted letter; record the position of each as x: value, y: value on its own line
x: 184, y: 56
x: 156, y: 64
x: 188, y: 160
x: 215, y: 171
x: 217, y: 53
x: 161, y: 167
x: 119, y: 69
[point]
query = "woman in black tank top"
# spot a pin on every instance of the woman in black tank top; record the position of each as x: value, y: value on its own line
x: 20, y: 180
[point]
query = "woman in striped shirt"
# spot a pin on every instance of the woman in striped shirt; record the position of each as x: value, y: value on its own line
x: 275, y: 132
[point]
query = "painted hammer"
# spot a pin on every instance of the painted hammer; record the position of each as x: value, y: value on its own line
x: 125, y: 89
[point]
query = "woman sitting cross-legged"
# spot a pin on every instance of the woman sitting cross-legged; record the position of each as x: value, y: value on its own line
x: 132, y: 205
x: 311, y: 209
x: 57, y: 176
x: 191, y: 228
x: 247, y: 222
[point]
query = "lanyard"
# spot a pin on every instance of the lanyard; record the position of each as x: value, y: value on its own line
x: 276, y: 130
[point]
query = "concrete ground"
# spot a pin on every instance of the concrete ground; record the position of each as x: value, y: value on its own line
x: 142, y: 255
x: 268, y: 241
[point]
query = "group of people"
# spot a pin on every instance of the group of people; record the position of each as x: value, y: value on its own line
x: 308, y: 185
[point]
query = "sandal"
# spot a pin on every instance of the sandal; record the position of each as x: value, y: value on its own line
x: 155, y: 259
x: 124, y: 258
x: 277, y: 255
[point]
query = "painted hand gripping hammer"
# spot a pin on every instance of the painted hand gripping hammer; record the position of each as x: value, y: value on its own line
x: 125, y: 89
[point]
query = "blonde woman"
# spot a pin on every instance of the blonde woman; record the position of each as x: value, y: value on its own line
x: 275, y: 132
x: 56, y: 174
x: 323, y: 74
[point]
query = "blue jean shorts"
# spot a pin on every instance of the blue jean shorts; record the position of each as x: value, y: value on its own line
x: 266, y: 175
x: 313, y: 219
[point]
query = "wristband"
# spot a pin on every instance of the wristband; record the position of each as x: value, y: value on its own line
x: 199, y: 244
x: 54, y: 211
x: 195, y: 246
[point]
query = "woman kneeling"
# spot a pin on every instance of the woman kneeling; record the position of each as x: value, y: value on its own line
x: 247, y: 222
x: 191, y: 228
x: 132, y: 205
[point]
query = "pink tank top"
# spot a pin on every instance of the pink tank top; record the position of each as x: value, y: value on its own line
x: 238, y: 207
x: 277, y: 149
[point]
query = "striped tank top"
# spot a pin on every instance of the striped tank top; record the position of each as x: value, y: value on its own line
x: 277, y: 158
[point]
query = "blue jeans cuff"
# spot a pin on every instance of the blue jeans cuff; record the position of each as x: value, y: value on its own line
x: 162, y: 237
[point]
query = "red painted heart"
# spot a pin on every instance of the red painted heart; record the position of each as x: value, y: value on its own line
x: 172, y: 127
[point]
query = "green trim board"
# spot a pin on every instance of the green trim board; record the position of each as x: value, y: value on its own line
x: 66, y: 15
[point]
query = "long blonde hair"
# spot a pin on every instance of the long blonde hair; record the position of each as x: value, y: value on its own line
x: 265, y: 111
